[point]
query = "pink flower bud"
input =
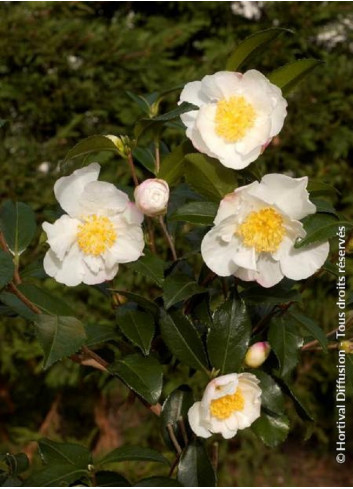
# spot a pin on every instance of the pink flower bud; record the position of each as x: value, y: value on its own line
x: 257, y: 354
x: 152, y: 197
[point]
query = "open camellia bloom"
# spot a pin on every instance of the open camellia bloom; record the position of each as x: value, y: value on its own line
x: 256, y: 228
x: 230, y: 403
x: 238, y: 115
x: 100, y: 230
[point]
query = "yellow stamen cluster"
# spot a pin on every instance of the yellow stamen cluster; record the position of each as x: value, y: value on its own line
x: 262, y: 230
x: 96, y: 235
x: 224, y: 407
x: 234, y: 117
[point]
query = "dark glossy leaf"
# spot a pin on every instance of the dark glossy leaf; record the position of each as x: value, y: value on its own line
x: 175, y: 113
x: 195, y: 468
x: 92, y: 144
x: 44, y: 300
x: 274, y: 295
x: 182, y: 339
x: 271, y: 398
x: 59, y: 336
x: 178, y: 287
x: 7, y: 268
x: 251, y: 46
x: 128, y: 453
x: 172, y: 165
x: 317, y: 188
x: 151, y: 266
x: 16, y: 305
x: 174, y: 409
x: 137, y: 326
x: 56, y: 475
x: 286, y: 342
x: 300, y: 407
x: 324, y: 206
x: 287, y: 77
x: 145, y: 157
x: 146, y: 304
x: 158, y: 481
x: 228, y: 339
x: 140, y: 101
x: 319, y: 228
x: 209, y: 177
x: 196, y: 213
x: 18, y: 225
x: 272, y: 430
x: 53, y: 453
x: 143, y: 375
x: 17, y: 463
x: 100, y: 333
x: 106, y: 478
x: 311, y: 326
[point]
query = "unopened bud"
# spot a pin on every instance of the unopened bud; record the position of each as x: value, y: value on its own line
x: 122, y: 143
x: 152, y: 197
x: 257, y: 354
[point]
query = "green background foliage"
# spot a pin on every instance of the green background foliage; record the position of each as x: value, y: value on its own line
x: 65, y: 70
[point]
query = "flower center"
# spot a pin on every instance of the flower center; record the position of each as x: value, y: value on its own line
x: 262, y: 230
x: 223, y: 407
x: 234, y: 117
x: 96, y: 235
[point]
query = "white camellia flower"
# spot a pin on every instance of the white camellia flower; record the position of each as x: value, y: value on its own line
x: 238, y: 115
x: 152, y: 197
x: 256, y: 228
x: 230, y: 403
x: 100, y: 230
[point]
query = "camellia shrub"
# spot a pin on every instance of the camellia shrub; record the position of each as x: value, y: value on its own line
x: 224, y: 309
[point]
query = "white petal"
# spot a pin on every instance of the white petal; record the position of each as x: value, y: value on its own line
x: 69, y: 271
x: 245, y: 274
x: 217, y: 253
x: 61, y: 234
x: 94, y: 263
x: 288, y: 194
x: 303, y: 262
x: 132, y: 214
x: 269, y: 272
x: 92, y: 278
x: 128, y: 246
x: 68, y: 189
x: 102, y: 198
x: 235, y: 204
x: 195, y: 421
x: 192, y: 93
x: 221, y: 85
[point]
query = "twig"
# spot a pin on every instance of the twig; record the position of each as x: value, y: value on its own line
x: 157, y: 156
x: 132, y: 168
x: 183, y: 430
x: 168, y: 237
x: 174, y: 464
x: 173, y: 438
x: 24, y: 299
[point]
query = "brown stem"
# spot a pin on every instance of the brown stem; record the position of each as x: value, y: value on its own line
x: 183, y: 430
x: 132, y: 168
x: 173, y: 438
x: 174, y: 464
x: 157, y: 156
x: 168, y: 237
x: 24, y: 299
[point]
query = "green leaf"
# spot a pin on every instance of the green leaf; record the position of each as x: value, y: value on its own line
x: 251, y: 46
x: 195, y: 468
x: 208, y: 177
x: 140, y: 101
x: 182, y: 339
x: 272, y: 430
x: 146, y: 304
x: 274, y: 295
x: 92, y: 144
x: 16, y: 305
x: 311, y: 326
x: 143, y: 375
x: 56, y: 475
x: 318, y: 188
x: 59, y: 336
x: 320, y: 227
x: 178, y: 287
x: 196, y: 213
x: 288, y: 76
x: 175, y: 113
x: 145, y: 157
x: 53, y: 452
x: 174, y: 409
x: 271, y: 398
x: 129, y: 453
x: 7, y: 268
x: 157, y: 481
x: 137, y: 326
x: 151, y: 266
x: 99, y: 333
x: 18, y: 225
x: 17, y: 463
x: 228, y: 339
x: 107, y: 478
x: 44, y: 300
x: 285, y: 341
x: 324, y: 206
x: 172, y: 165
x: 301, y: 409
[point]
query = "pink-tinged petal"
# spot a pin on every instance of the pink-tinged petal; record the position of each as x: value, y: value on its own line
x: 301, y: 263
